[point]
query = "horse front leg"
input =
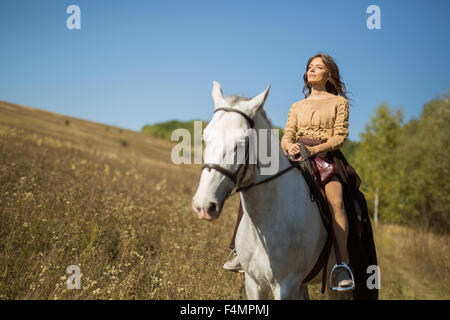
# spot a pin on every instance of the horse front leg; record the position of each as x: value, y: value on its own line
x: 254, y: 290
x: 303, y: 292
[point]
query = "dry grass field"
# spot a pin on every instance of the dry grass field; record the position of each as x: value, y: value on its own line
x: 109, y: 200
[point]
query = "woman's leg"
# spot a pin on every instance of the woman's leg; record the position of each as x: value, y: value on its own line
x: 334, y: 193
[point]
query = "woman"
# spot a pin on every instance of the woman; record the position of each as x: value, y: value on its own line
x: 321, y: 122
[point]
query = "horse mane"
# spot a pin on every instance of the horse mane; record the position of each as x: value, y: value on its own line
x: 235, y: 99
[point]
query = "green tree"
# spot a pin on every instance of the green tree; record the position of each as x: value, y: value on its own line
x: 409, y: 165
x: 426, y: 164
x: 373, y: 159
x: 349, y: 149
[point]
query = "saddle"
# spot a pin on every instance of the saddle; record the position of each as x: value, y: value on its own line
x: 310, y: 173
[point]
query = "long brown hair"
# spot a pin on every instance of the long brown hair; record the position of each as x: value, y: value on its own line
x: 334, y: 84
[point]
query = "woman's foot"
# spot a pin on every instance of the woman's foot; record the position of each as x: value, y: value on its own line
x: 233, y: 264
x: 344, y: 280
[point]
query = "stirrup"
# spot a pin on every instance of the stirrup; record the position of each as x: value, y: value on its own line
x: 344, y: 266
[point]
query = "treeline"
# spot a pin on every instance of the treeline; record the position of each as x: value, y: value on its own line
x: 164, y: 129
x: 406, y: 165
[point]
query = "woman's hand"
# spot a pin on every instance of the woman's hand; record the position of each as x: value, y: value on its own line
x: 312, y: 150
x: 293, y: 149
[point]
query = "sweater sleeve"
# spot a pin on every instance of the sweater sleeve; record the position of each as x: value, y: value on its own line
x: 290, y: 130
x: 340, y: 132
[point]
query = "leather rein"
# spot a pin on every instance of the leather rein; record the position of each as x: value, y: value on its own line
x: 233, y: 176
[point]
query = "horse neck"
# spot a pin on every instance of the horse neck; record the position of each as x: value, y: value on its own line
x: 266, y: 200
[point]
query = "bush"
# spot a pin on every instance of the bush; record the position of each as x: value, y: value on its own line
x: 124, y: 142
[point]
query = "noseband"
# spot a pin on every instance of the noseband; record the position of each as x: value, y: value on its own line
x: 233, y: 176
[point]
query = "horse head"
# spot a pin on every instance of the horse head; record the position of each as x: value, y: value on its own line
x: 227, y: 152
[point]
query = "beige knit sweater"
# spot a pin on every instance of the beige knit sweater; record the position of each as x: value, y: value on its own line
x: 319, y: 119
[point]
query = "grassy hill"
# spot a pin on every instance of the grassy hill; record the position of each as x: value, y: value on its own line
x: 109, y: 200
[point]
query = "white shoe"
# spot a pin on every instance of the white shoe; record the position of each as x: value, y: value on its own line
x: 233, y: 264
x: 344, y: 280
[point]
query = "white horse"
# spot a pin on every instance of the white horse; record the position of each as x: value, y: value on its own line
x: 281, y: 234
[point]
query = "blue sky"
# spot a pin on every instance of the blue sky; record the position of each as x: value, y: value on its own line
x: 140, y: 62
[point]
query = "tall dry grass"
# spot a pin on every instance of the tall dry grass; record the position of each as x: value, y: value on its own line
x: 415, y: 264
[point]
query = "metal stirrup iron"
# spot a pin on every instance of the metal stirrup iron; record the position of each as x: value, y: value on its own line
x: 341, y: 265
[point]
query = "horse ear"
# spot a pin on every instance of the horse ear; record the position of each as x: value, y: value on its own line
x: 257, y: 102
x: 217, y: 95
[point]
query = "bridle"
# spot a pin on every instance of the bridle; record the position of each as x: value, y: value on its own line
x: 233, y: 176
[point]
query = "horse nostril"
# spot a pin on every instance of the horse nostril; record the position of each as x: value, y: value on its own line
x: 211, y: 208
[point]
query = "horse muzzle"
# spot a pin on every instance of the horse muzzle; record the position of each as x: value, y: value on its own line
x: 209, y: 212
